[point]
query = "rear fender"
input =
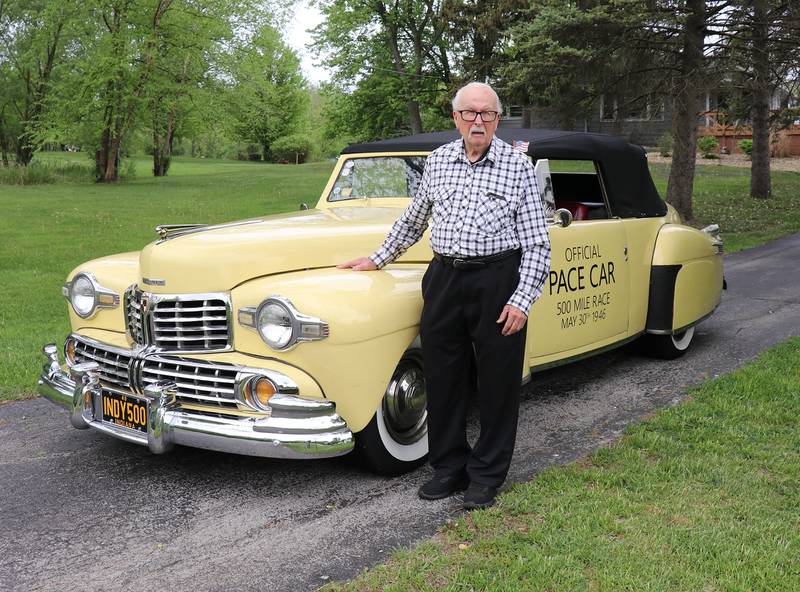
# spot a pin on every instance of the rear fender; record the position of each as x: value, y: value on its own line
x: 685, y: 279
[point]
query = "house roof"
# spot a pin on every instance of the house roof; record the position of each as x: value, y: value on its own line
x: 623, y: 166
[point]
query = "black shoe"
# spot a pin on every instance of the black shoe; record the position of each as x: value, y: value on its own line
x: 442, y: 487
x: 479, y: 496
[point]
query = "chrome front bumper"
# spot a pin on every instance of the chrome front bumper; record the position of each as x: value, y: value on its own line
x: 297, y: 428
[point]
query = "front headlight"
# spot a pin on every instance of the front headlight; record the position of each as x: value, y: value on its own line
x: 82, y: 296
x: 274, y: 323
x: 86, y: 295
x: 281, y: 325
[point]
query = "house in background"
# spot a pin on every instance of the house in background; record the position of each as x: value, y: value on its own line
x: 647, y: 120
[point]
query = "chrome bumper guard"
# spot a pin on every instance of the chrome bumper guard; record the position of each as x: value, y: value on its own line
x: 297, y: 428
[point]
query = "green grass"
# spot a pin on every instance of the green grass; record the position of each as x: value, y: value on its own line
x: 721, y: 195
x: 703, y: 496
x: 48, y: 229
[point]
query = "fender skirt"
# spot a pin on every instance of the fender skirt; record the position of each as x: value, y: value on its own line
x: 660, y: 306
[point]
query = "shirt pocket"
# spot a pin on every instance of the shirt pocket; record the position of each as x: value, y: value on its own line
x: 493, y: 213
x: 442, y: 204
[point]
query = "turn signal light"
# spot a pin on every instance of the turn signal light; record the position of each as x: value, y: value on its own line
x: 259, y: 391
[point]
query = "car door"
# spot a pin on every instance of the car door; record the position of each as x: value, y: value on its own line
x: 585, y: 298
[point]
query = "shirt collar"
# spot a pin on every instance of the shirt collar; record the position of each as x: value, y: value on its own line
x: 457, y: 152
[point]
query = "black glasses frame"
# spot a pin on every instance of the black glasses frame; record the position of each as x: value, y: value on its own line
x: 486, y: 116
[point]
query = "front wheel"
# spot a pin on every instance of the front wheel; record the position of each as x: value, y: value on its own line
x: 396, y: 439
x: 670, y: 347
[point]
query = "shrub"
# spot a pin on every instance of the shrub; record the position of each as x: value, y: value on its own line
x: 746, y: 146
x: 707, y: 145
x: 665, y: 144
x: 294, y: 148
x: 46, y: 172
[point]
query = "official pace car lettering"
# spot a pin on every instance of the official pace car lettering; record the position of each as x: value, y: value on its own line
x: 587, y: 271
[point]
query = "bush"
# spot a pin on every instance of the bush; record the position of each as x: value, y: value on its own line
x: 46, y: 172
x: 746, y: 146
x: 294, y: 148
x: 665, y: 144
x: 707, y: 145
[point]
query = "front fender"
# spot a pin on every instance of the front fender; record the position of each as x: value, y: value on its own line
x: 117, y: 273
x: 372, y: 317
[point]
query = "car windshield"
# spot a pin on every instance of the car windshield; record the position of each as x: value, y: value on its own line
x: 379, y: 176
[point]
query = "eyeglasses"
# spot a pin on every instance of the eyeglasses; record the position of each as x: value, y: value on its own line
x: 486, y: 116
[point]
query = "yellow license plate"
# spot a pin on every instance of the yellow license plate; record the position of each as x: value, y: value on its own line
x: 125, y: 411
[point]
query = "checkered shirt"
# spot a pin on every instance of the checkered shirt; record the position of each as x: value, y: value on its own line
x: 478, y: 209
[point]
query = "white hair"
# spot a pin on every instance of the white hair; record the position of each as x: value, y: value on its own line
x: 457, y: 98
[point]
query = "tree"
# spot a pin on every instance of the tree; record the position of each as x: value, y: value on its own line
x: 33, y: 45
x: 267, y: 93
x: 760, y: 44
x: 571, y: 54
x: 189, y: 45
x: 395, y: 49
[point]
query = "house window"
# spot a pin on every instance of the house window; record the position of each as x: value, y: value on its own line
x: 646, y: 108
x: 608, y: 108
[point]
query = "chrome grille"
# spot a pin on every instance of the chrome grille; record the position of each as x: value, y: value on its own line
x: 190, y: 324
x: 133, y: 314
x: 198, y: 382
x: 195, y: 322
x: 113, y: 365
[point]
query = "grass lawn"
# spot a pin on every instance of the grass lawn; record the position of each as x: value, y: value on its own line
x: 703, y: 496
x: 48, y: 230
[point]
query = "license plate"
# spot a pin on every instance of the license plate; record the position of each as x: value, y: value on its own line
x: 125, y: 411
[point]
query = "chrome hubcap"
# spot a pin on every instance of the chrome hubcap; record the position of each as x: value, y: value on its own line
x: 404, y: 404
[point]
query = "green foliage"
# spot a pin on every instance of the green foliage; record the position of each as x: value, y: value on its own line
x: 267, y: 96
x: 46, y: 172
x: 707, y: 145
x: 395, y: 57
x: 746, y: 146
x: 292, y: 149
x: 665, y: 144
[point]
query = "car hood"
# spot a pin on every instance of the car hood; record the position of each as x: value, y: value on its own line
x: 218, y: 258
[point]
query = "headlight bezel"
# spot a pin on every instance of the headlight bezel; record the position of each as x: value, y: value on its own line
x: 303, y: 327
x: 102, y: 297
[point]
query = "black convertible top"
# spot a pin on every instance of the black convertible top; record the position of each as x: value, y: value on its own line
x: 623, y: 166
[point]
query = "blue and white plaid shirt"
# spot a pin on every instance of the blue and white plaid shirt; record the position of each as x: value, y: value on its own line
x: 478, y: 209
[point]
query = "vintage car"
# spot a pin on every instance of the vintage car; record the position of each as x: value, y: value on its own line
x: 246, y: 338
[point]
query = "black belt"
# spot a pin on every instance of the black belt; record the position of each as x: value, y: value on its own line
x: 474, y: 262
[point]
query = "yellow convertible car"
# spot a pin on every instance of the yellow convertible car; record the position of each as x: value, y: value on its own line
x: 245, y: 338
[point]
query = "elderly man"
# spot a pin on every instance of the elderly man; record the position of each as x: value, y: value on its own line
x: 491, y: 257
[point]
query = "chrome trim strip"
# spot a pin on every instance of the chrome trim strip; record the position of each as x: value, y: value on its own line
x: 170, y: 231
x: 587, y: 354
x: 297, y: 428
x: 682, y: 329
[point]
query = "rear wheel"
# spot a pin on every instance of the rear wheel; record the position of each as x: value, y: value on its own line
x: 396, y: 439
x: 670, y: 347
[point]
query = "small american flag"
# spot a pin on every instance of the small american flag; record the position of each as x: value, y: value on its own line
x: 520, y: 145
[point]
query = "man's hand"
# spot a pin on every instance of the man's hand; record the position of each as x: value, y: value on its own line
x: 513, y: 319
x: 360, y: 264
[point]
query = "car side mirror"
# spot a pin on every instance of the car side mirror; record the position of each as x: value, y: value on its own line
x: 562, y: 217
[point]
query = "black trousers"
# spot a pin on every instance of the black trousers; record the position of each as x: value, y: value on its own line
x: 458, y: 326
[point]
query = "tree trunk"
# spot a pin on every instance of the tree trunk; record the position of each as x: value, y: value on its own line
x: 414, y: 117
x: 4, y: 144
x: 686, y: 109
x: 163, y: 136
x: 760, y: 182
